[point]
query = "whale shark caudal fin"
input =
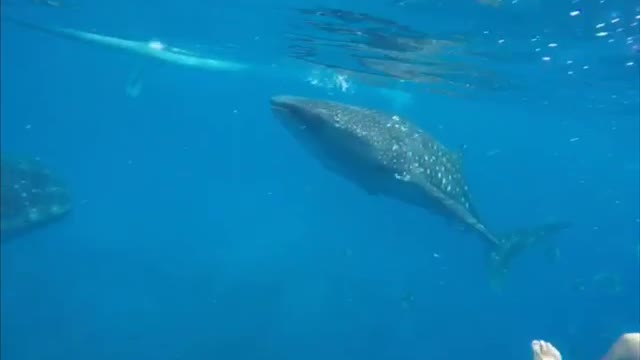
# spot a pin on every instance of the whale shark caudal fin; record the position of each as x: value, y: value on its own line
x: 513, y: 243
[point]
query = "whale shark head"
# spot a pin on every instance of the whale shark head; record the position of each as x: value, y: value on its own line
x: 321, y: 123
x: 334, y: 133
x: 303, y: 114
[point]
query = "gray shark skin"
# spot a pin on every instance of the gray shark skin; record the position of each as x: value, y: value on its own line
x: 389, y: 156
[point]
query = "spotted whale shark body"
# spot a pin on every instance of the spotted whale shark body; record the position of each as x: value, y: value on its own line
x: 31, y: 196
x: 387, y: 155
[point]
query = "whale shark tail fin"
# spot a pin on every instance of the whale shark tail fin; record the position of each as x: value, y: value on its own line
x: 513, y: 243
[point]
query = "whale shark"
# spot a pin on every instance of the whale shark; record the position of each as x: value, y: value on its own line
x: 151, y: 49
x: 390, y: 156
x: 31, y: 196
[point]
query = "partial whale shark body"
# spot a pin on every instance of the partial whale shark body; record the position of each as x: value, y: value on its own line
x: 387, y: 155
x: 151, y: 49
x: 31, y: 196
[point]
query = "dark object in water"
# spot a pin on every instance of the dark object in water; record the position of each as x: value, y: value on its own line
x: 31, y: 196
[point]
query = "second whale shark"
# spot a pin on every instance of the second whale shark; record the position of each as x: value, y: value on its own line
x: 387, y: 155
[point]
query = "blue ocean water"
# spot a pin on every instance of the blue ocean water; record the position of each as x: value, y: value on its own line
x: 201, y: 229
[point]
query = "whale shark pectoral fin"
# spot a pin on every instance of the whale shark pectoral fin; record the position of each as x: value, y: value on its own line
x: 512, y: 244
x: 552, y: 253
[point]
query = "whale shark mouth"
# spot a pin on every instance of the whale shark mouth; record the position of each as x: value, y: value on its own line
x: 281, y: 109
x: 284, y: 103
x: 284, y: 114
x: 288, y: 110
